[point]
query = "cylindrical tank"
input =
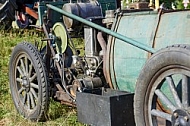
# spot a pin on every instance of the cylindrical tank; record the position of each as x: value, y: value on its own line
x: 84, y: 10
x: 124, y: 61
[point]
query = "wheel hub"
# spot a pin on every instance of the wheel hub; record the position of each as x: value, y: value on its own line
x: 180, y: 118
x: 26, y: 83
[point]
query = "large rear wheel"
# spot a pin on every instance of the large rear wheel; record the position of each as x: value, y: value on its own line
x: 163, y: 87
x: 29, y: 82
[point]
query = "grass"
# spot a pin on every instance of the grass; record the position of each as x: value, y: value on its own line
x: 59, y: 115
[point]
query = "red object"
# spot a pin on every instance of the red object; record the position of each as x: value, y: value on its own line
x: 31, y: 12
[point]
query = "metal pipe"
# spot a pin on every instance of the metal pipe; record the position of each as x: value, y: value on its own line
x: 103, y: 45
x: 110, y: 32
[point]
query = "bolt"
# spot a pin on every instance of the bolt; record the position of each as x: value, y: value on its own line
x: 186, y: 118
x: 175, y: 115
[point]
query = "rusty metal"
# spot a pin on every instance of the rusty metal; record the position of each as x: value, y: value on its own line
x: 31, y: 12
x: 76, y: 86
x: 160, y: 106
x: 156, y: 30
x: 139, y: 5
x: 50, y: 51
x: 58, y: 86
x: 108, y: 58
x: 103, y: 45
x: 64, y: 98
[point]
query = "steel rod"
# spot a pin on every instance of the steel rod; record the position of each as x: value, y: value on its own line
x: 110, y: 32
x: 173, y: 91
x: 158, y: 113
x: 164, y: 99
x: 185, y: 92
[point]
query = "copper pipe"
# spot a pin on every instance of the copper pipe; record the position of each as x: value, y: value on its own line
x: 103, y: 45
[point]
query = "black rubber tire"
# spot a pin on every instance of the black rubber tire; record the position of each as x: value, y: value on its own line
x: 9, y: 9
x: 7, y: 12
x: 29, y: 82
x: 167, y: 61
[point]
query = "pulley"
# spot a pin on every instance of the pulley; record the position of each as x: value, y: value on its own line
x: 61, y: 37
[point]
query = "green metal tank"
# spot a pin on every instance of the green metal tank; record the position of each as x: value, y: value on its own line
x: 152, y: 28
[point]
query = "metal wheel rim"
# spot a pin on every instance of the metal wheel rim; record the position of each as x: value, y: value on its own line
x: 167, y: 72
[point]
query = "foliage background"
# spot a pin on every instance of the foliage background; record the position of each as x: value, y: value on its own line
x: 167, y: 3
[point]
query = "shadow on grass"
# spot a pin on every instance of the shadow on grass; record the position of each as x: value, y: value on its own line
x: 63, y: 113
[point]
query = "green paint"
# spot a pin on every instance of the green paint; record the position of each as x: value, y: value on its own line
x: 117, y: 35
x: 173, y: 28
x: 129, y: 60
x: 61, y: 34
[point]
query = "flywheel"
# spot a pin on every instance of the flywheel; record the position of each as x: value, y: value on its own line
x: 61, y: 37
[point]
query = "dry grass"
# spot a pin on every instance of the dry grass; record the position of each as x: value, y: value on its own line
x: 59, y: 115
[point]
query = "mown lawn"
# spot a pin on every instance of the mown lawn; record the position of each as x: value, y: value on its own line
x: 59, y: 115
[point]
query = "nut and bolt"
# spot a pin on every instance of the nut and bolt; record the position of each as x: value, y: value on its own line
x: 186, y: 118
x: 176, y: 115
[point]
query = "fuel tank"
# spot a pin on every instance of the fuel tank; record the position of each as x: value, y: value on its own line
x: 84, y: 10
x: 157, y: 29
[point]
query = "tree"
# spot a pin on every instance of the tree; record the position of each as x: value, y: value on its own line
x: 167, y: 3
x: 177, y: 3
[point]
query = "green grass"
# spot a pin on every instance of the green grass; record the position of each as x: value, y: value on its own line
x: 59, y: 115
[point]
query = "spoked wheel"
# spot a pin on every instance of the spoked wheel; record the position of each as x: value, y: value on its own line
x: 28, y: 82
x: 162, y: 95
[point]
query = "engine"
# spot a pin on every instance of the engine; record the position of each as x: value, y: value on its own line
x: 85, y: 72
x: 89, y: 68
